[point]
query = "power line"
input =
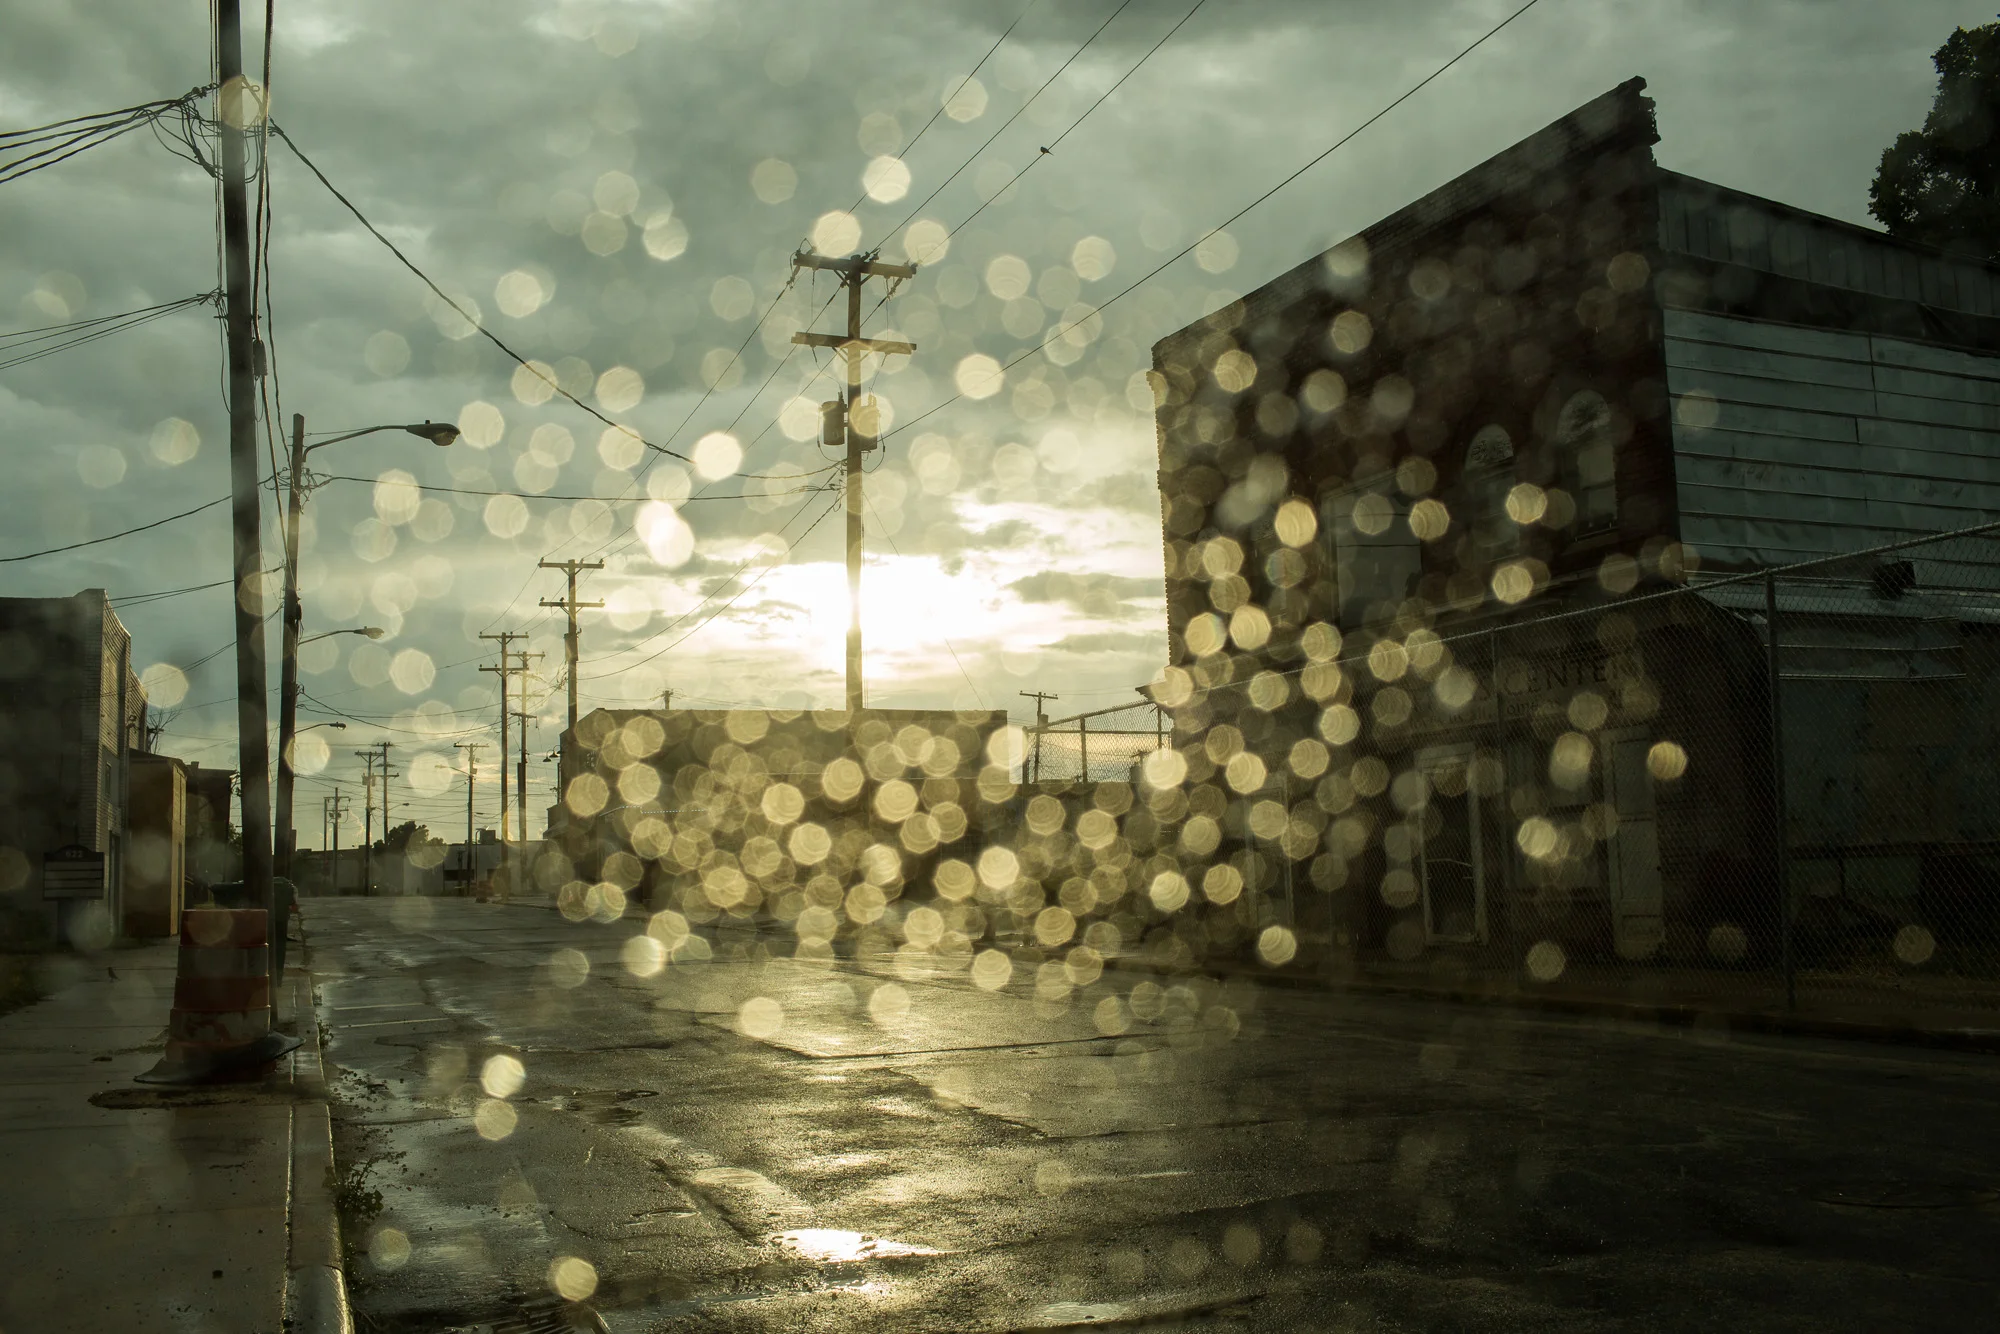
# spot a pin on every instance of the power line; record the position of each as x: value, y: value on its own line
x: 1412, y: 91
x: 952, y: 96
x: 161, y: 595
x: 62, y: 140
x: 480, y: 328
x: 609, y: 500
x: 1050, y: 147
x: 112, y: 537
x: 733, y: 600
x: 88, y: 331
x: 1123, y: 5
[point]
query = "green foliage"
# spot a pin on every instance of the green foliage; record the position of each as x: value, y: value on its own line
x: 1941, y: 185
x: 403, y: 836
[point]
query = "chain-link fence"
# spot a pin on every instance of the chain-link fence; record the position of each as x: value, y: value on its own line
x: 1595, y: 791
x: 1101, y: 745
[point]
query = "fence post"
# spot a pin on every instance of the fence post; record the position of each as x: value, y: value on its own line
x: 1083, y: 746
x: 1783, y: 860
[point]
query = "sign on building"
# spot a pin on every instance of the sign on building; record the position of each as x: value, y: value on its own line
x: 73, y: 872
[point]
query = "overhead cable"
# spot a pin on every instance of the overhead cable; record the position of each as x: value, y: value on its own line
x: 1050, y: 147
x: 971, y: 158
x: 479, y: 327
x: 1318, y: 158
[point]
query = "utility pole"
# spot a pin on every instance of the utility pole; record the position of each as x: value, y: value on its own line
x: 504, y: 670
x: 1040, y: 697
x: 235, y: 108
x: 521, y: 717
x: 570, y: 605
x: 666, y: 699
x: 288, y: 662
x: 339, y: 813
x: 471, y: 749
x: 385, y: 773
x: 367, y: 820
x: 837, y: 423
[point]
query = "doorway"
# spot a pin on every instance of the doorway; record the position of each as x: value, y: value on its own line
x: 1632, y: 854
x: 1450, y: 872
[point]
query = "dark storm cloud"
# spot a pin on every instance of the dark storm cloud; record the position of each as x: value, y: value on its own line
x: 463, y: 130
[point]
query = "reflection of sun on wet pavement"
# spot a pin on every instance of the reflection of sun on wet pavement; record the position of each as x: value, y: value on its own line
x: 832, y: 1246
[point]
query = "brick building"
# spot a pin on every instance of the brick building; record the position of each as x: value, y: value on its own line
x: 1417, y: 493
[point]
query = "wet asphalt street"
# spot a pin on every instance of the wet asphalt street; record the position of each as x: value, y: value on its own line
x: 763, y: 1144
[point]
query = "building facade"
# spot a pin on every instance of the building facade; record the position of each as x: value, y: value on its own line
x: 742, y: 812
x: 156, y: 857
x: 71, y: 712
x: 1465, y: 527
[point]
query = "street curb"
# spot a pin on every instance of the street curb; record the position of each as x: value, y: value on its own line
x: 316, y: 1295
x: 1974, y: 1040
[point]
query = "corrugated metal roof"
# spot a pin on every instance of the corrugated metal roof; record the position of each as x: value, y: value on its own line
x: 1793, y: 443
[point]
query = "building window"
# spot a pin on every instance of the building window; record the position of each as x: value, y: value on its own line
x: 1586, y: 443
x: 1377, y: 560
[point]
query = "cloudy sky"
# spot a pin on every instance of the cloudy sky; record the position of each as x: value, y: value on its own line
x: 614, y: 188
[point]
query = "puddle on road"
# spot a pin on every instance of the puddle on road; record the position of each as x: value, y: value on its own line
x: 833, y: 1246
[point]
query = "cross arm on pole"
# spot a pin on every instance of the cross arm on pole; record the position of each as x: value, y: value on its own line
x: 843, y: 342
x: 805, y: 259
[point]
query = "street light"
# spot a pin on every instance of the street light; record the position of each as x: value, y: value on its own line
x: 372, y: 631
x: 438, y: 433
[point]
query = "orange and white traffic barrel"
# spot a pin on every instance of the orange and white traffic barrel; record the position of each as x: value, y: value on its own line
x: 221, y: 1022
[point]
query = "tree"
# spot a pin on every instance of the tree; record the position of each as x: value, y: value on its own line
x: 403, y: 835
x: 1940, y: 185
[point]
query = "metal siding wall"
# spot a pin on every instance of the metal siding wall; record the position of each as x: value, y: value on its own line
x: 1823, y: 441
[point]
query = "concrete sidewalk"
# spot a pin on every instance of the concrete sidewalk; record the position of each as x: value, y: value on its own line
x: 131, y: 1207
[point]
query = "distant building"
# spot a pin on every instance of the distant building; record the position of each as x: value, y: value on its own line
x: 71, y: 711
x: 1566, y: 376
x: 670, y: 804
x: 156, y: 856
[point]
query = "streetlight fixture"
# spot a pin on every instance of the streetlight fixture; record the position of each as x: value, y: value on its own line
x: 441, y: 434
x: 372, y: 631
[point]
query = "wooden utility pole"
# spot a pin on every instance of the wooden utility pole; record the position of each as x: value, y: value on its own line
x: 837, y: 421
x: 569, y: 606
x: 503, y: 671
x: 521, y: 717
x: 471, y: 749
x: 237, y: 107
x: 367, y: 819
x: 1040, y: 697
x: 339, y: 814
